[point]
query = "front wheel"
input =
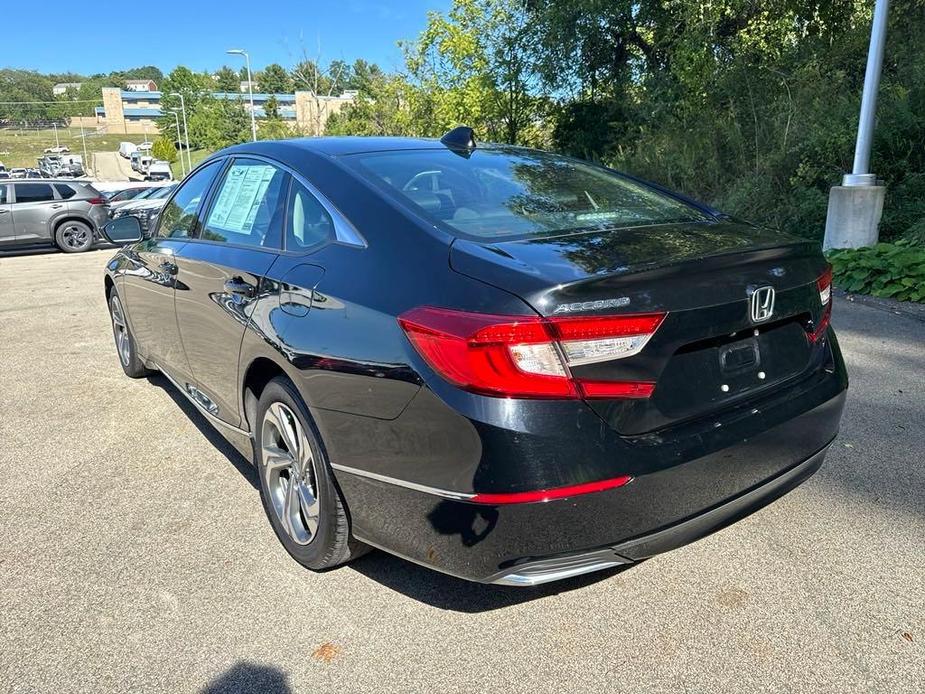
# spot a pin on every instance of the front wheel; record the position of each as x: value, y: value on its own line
x: 131, y: 364
x: 297, y: 487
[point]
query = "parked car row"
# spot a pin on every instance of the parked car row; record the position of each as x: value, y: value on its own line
x: 152, y: 169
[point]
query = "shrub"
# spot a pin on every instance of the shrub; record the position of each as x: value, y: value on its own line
x: 890, y: 270
x: 164, y: 149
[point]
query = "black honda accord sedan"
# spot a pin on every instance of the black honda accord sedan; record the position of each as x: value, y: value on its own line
x: 504, y: 364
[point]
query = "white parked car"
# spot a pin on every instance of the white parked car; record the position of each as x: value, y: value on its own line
x: 158, y: 170
x: 60, y: 149
x: 145, y: 146
x: 126, y: 149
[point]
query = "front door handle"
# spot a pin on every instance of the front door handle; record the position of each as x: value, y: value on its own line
x: 238, y: 286
x: 57, y: 206
x: 168, y: 267
x: 4, y: 211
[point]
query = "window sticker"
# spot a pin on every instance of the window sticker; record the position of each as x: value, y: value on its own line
x: 242, y: 193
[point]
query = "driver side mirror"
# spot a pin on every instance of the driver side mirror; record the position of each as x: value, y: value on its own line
x: 122, y: 231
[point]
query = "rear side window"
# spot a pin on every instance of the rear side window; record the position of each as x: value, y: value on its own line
x: 2, y: 194
x: 249, y: 207
x: 502, y: 193
x: 33, y: 192
x: 178, y: 219
x: 65, y: 191
x: 309, y: 223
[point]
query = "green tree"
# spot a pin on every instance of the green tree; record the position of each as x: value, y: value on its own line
x: 164, y: 149
x: 226, y: 80
x: 275, y: 80
x: 471, y: 66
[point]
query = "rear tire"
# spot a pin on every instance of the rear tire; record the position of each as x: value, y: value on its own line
x: 129, y: 360
x: 73, y: 237
x: 304, y: 506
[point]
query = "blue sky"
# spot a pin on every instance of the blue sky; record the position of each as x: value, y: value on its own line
x: 196, y: 33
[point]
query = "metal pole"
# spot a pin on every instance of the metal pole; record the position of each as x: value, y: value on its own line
x: 860, y: 173
x: 176, y: 119
x: 55, y: 126
x: 83, y: 139
x: 189, y: 160
x: 250, y: 91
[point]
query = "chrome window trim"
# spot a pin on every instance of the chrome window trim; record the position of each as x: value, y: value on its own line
x: 344, y: 231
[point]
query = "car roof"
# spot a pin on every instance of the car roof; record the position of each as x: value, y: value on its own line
x: 340, y: 146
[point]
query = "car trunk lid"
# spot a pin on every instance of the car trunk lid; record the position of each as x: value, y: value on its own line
x: 709, y: 352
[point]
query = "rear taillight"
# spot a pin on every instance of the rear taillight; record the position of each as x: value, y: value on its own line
x: 528, y: 356
x: 824, y: 283
x: 825, y: 286
x: 98, y: 201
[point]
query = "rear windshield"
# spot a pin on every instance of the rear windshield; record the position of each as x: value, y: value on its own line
x: 505, y: 193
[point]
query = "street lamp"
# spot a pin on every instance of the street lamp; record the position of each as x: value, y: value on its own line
x: 189, y: 161
x: 250, y: 90
x: 176, y: 119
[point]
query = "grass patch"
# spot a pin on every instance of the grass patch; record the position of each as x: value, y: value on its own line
x: 196, y: 155
x: 24, y: 147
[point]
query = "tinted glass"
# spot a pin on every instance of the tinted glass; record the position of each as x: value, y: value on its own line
x: 2, y: 193
x: 127, y: 194
x: 33, y: 192
x: 309, y: 223
x: 178, y: 219
x: 158, y: 193
x: 517, y: 193
x: 65, y: 191
x: 249, y: 207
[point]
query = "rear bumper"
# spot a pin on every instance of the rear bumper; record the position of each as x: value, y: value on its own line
x: 669, y: 505
x: 550, y: 569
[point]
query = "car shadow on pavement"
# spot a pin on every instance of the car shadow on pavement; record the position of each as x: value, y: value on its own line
x: 244, y: 677
x: 457, y: 595
x: 241, y: 464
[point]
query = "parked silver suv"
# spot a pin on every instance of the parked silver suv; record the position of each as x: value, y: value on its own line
x: 37, y: 211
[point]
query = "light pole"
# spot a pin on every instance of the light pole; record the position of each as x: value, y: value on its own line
x: 176, y: 119
x: 855, y: 207
x: 250, y: 88
x: 83, y: 139
x: 189, y: 161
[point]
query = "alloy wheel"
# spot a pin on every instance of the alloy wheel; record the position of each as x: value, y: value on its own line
x: 74, y: 236
x: 290, y: 478
x: 120, y: 330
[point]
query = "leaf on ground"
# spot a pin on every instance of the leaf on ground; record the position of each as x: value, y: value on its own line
x: 326, y: 652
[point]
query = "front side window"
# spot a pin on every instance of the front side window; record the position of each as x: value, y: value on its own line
x: 249, y: 207
x: 178, y: 219
x: 508, y: 193
x: 33, y: 192
x: 309, y: 223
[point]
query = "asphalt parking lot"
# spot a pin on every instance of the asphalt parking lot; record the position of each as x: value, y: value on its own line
x: 134, y: 554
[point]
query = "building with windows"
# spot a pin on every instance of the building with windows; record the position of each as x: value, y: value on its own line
x: 61, y: 88
x: 126, y: 111
x: 141, y: 85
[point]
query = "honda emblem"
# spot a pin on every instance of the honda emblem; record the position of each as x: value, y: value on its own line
x: 761, y: 304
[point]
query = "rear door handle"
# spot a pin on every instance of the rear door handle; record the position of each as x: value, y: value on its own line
x: 238, y: 286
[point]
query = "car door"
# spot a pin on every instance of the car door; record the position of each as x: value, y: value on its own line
x: 148, y: 288
x: 7, y: 233
x: 33, y: 205
x: 221, y: 271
